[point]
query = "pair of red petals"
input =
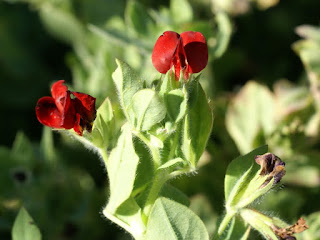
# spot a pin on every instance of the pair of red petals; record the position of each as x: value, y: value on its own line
x: 66, y: 109
x: 187, y: 52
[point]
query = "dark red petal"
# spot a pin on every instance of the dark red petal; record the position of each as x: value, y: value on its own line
x: 85, y: 106
x: 47, y: 112
x: 179, y: 59
x: 68, y: 112
x: 59, y: 92
x: 77, y: 126
x: 196, y: 50
x: 164, y: 50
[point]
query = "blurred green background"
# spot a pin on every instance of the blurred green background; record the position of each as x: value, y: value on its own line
x: 64, y: 186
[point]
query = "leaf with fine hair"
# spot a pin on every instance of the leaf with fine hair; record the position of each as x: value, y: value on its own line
x: 122, y: 165
x: 171, y: 220
x: 148, y: 109
x: 197, y: 123
x: 127, y: 83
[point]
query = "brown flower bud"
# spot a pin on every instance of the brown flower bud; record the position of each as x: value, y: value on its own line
x: 272, y: 166
x: 288, y: 232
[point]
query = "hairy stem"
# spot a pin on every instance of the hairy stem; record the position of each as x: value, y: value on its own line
x: 225, y: 221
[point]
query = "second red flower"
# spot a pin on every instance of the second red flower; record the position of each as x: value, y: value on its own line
x: 187, y: 52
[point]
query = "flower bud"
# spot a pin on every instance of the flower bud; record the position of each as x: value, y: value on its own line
x: 271, y: 227
x: 271, y: 166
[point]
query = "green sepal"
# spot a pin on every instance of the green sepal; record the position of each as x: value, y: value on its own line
x: 24, y: 227
x: 262, y: 223
x: 104, y: 126
x: 176, y: 104
x: 122, y: 165
x: 171, y: 220
x: 147, y: 108
x: 168, y: 83
x: 239, y: 173
x: 252, y: 191
x: 127, y: 84
x: 197, y: 123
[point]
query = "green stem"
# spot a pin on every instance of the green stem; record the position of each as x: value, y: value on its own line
x: 225, y: 221
x: 160, y: 178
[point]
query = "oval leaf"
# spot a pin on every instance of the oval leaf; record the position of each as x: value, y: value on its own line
x: 171, y: 220
x: 122, y: 166
x: 251, y: 111
x: 127, y: 84
x: 197, y: 124
x: 148, y: 109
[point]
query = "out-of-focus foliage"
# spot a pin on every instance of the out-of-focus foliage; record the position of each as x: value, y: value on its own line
x: 62, y: 185
x: 24, y: 227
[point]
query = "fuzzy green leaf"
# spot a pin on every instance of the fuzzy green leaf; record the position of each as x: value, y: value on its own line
x: 148, y: 109
x: 122, y: 165
x: 24, y: 227
x: 168, y: 83
x: 197, y: 123
x: 127, y: 83
x: 172, y: 220
x: 173, y: 193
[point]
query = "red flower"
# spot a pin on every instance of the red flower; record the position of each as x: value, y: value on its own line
x: 62, y: 111
x: 187, y: 52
